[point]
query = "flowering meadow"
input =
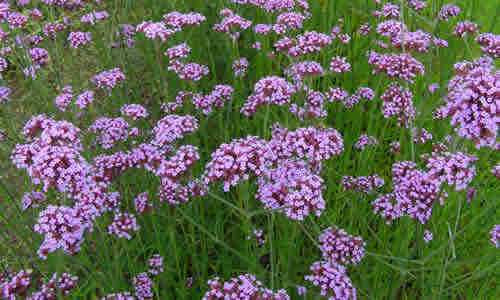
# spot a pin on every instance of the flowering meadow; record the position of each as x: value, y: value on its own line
x: 249, y: 149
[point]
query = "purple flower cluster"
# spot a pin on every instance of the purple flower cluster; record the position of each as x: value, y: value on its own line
x: 63, y: 228
x: 402, y: 66
x: 119, y: 296
x: 32, y: 199
x: 496, y: 171
x: 269, y: 90
x: 155, y: 264
x: 291, y: 20
x: 428, y: 236
x: 341, y: 248
x: 171, y: 128
x: 134, y: 111
x: 78, y: 38
x: 495, y: 235
x: 50, y: 290
x: 141, y: 204
x: 155, y: 30
x: 412, y: 40
x: 143, y: 286
x: 421, y: 135
x: 453, y: 168
x: 363, y: 184
x: 257, y: 234
x: 110, y: 131
x: 490, y: 44
x: 234, y: 161
x: 364, y: 141
x: 293, y: 189
x: 108, y: 79
x: 240, y: 67
x: 93, y: 17
x: 303, y: 44
x: 473, y: 102
x: 417, y: 4
x: 232, y: 24
x: 391, y: 28
x: 273, y: 6
x: 13, y: 285
x: 63, y: 100
x: 398, y: 101
x: 39, y: 56
x: 464, y: 28
x: 339, y: 65
x: 415, y: 193
x: 178, y: 20
x: 122, y: 225
x: 332, y: 280
x: 305, y: 69
x: 242, y: 287
x: 447, y: 11
x: 207, y: 103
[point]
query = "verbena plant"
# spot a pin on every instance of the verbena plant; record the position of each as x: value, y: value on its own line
x: 275, y: 149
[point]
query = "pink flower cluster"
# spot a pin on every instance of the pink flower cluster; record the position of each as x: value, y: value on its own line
x: 119, y: 296
x: 291, y: 20
x: 108, y: 79
x: 155, y: 30
x: 13, y: 285
x: 178, y: 20
x: 110, y: 131
x: 303, y: 44
x: 63, y: 228
x: 332, y: 280
x: 155, y: 264
x: 242, y: 287
x: 141, y: 204
x: 207, y: 103
x: 453, y: 168
x: 339, y: 65
x: 417, y: 4
x: 78, y: 38
x: 134, y: 111
x: 464, y: 28
x: 412, y: 40
x: 428, y: 236
x: 143, y: 286
x: 122, y: 225
x: 293, y: 189
x: 473, y: 102
x: 93, y: 17
x: 51, y: 289
x: 496, y: 171
x: 421, y: 135
x: 240, y: 67
x: 269, y: 90
x: 447, y: 11
x: 39, y: 56
x: 391, y: 28
x: 232, y: 24
x: 257, y: 234
x: 171, y: 128
x: 85, y: 98
x: 32, y: 199
x: 415, y: 193
x: 490, y: 44
x: 495, y: 235
x: 364, y: 141
x: 341, y: 248
x: 398, y: 101
x: 402, y: 66
x: 363, y: 184
x: 273, y: 6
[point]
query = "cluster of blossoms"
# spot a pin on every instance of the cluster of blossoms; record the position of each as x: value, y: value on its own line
x: 398, y: 101
x: 273, y: 6
x: 17, y: 20
x: 291, y: 20
x: 415, y: 193
x: 13, y: 285
x: 242, y: 287
x: 234, y: 161
x: 312, y: 108
x: 110, y: 131
x: 391, y: 28
x: 269, y: 90
x: 156, y: 264
x: 388, y: 11
x: 240, y: 67
x: 4, y: 94
x: 85, y: 98
x: 155, y: 30
x: 122, y: 225
x: 464, y: 28
x: 63, y: 228
x: 78, y: 38
x: 473, y: 102
x: 108, y: 79
x: 63, y: 284
x: 495, y: 235
x: 171, y: 128
x: 232, y: 24
x: 119, y: 296
x: 412, y: 40
x: 125, y: 34
x: 428, y: 236
x: 453, y: 168
x: 402, y: 66
x: 93, y: 17
x: 421, y: 136
x: 134, y: 111
x: 304, y: 69
x: 39, y: 56
x: 265, y: 29
x: 64, y: 99
x: 496, y: 171
x: 417, y: 4
x: 143, y: 286
x: 364, y: 141
x: 178, y: 20
x: 293, y: 189
x: 336, y: 94
x: 258, y: 235
x: 191, y: 71
x: 363, y: 184
x: 207, y: 103
x: 32, y: 199
x: 339, y: 65
x: 303, y: 44
x: 332, y: 280
x: 447, y: 11
x: 341, y: 248
x: 490, y: 44
x: 141, y: 204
